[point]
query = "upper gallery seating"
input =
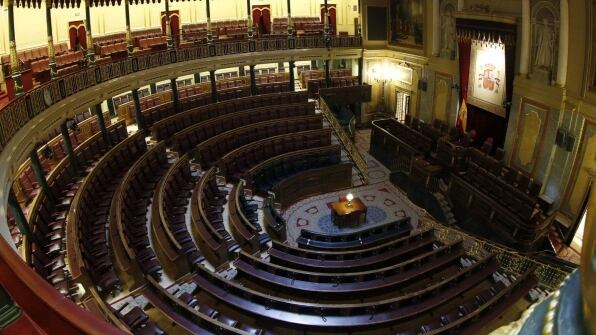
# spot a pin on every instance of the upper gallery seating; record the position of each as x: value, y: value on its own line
x: 111, y: 45
x: 140, y: 35
x: 37, y: 60
x: 25, y: 185
x: 227, y: 29
x: 301, y: 25
x: 314, y: 80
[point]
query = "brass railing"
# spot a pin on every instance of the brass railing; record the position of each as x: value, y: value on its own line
x: 24, y: 108
x: 549, y: 276
x: 345, y: 140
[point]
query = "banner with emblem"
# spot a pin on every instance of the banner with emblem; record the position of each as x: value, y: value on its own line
x: 486, y: 86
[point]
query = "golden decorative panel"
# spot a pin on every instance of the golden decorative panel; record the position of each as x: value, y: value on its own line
x: 532, y: 125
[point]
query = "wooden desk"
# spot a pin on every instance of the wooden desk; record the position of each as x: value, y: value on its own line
x: 344, y: 216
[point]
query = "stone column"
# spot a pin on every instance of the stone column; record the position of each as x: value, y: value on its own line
x: 460, y: 5
x: 169, y: 39
x: 90, y: 47
x: 360, y: 70
x: 249, y: 21
x: 175, y: 97
x: 138, y: 112
x: 253, y: 80
x: 19, y: 216
x: 290, y: 28
x: 327, y: 73
x: 102, y: 125
x: 68, y: 147
x: 436, y: 46
x: 51, y: 52
x: 111, y: 107
x: 209, y: 31
x: 327, y: 28
x: 292, y: 66
x: 213, y: 85
x: 41, y: 178
x: 524, y: 53
x: 563, y: 44
x: 15, y: 64
x: 129, y: 42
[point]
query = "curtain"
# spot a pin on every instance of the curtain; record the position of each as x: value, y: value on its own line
x: 465, y: 47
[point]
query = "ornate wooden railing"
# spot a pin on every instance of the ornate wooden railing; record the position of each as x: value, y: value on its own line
x: 345, y: 140
x: 549, y: 276
x: 24, y: 108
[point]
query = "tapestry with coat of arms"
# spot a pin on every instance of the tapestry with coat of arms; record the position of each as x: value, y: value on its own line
x: 486, y: 86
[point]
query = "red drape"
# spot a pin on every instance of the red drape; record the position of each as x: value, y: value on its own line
x: 465, y: 48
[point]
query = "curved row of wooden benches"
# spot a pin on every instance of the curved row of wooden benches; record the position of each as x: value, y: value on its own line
x: 209, y: 151
x: 48, y: 213
x: 167, y: 127
x: 130, y: 179
x: 186, y: 139
x: 359, y: 239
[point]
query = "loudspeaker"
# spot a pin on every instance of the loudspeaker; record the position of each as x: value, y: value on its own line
x: 569, y: 142
x: 560, y: 138
x: 422, y: 85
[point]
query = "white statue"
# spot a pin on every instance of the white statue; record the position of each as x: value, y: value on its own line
x: 544, y: 43
x: 448, y: 32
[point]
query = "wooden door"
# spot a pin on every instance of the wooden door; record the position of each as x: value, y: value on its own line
x: 77, y: 35
x: 332, y: 17
x: 174, y: 24
x: 261, y: 18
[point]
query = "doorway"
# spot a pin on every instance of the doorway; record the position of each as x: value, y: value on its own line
x: 77, y: 35
x: 174, y: 25
x: 332, y: 17
x: 402, y: 105
x: 261, y: 18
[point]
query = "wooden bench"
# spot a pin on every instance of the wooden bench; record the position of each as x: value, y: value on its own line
x: 355, y: 260
x: 206, y: 216
x: 351, y: 284
x: 186, y: 139
x: 167, y: 127
x: 354, y: 240
x: 208, y: 152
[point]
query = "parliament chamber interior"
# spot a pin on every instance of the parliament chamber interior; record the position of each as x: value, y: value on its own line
x: 292, y: 167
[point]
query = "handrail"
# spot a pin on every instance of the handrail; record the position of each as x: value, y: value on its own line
x: 12, y: 117
x: 350, y: 147
x: 548, y: 275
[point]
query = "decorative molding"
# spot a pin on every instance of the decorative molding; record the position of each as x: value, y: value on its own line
x: 491, y: 17
x: 537, y: 150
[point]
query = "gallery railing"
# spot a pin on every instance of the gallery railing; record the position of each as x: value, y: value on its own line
x: 549, y: 276
x: 345, y: 140
x: 24, y: 108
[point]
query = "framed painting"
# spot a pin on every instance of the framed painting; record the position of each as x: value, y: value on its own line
x: 406, y: 20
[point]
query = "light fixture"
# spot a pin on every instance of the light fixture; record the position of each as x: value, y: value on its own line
x: 349, y: 197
